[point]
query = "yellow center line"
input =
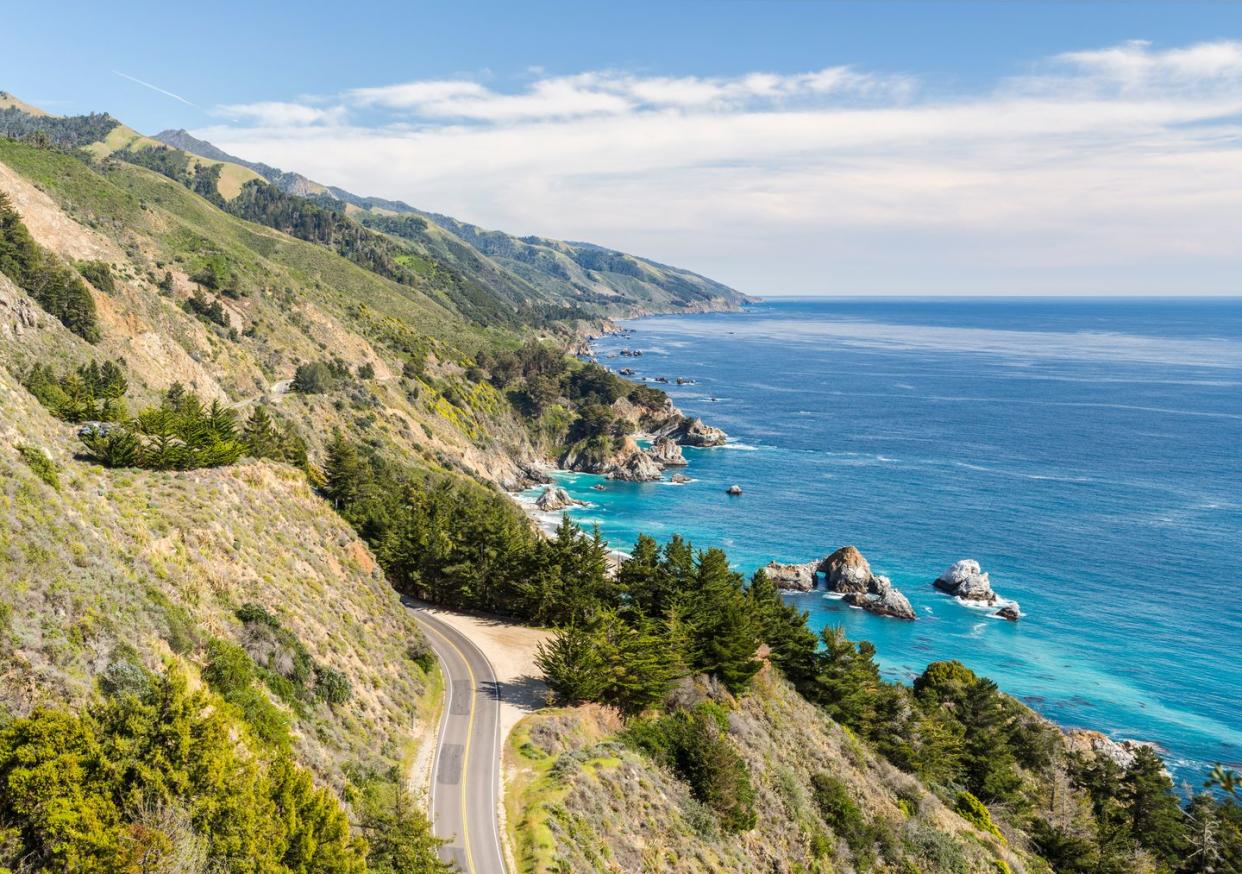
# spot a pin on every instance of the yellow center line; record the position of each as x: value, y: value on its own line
x: 465, y: 756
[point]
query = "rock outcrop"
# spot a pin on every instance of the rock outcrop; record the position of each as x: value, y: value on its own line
x: 734, y: 489
x: 693, y: 432
x: 636, y: 467
x: 679, y: 478
x: 1093, y: 743
x: 964, y: 579
x: 882, y: 599
x: 626, y: 462
x: 17, y: 314
x: 554, y: 498
x: 792, y: 577
x: 666, y: 452
x: 846, y: 571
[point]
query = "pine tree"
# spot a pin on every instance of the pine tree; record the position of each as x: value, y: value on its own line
x: 260, y: 435
x: 346, y: 474
x: 572, y: 665
x: 726, y: 635
x: 1155, y: 818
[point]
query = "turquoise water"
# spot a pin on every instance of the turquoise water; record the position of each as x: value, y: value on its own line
x: 1086, y: 453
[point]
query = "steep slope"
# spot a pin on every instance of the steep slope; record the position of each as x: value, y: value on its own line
x: 580, y: 797
x: 102, y: 567
x: 291, y: 303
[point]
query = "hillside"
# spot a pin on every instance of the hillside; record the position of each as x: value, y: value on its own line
x: 603, y: 280
x: 581, y: 796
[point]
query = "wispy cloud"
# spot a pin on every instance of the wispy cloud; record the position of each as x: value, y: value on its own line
x: 278, y: 114
x: 1108, y: 170
x: 163, y: 91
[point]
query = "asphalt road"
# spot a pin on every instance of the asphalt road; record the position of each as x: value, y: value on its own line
x: 465, y: 777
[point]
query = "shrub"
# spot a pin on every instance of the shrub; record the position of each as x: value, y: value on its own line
x: 41, y: 464
x: 692, y: 744
x: 98, y: 274
x: 838, y: 810
x: 318, y: 377
x: 331, y: 685
x: 972, y: 810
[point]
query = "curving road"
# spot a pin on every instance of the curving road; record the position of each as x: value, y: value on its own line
x: 465, y: 775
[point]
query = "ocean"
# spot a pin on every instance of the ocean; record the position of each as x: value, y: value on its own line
x: 1087, y: 453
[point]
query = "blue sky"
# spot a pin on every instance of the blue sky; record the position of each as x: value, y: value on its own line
x: 784, y: 147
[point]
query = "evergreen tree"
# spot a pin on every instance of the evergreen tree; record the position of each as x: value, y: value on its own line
x: 725, y: 632
x: 260, y: 435
x: 572, y: 665
x: 1155, y: 818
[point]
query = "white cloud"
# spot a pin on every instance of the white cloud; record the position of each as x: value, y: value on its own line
x: 1108, y: 171
x: 276, y: 114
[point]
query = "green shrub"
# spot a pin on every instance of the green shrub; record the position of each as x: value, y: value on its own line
x: 41, y: 464
x: 692, y: 744
x: 163, y: 774
x: 838, y: 810
x: 972, y: 810
x: 98, y: 274
x: 331, y: 685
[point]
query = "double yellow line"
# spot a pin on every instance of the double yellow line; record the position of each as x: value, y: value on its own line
x: 465, y: 756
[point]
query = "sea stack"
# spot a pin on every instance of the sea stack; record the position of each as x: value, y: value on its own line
x: 847, y: 573
x: 792, y: 577
x: 967, y: 581
x: 554, y: 498
x: 693, y: 432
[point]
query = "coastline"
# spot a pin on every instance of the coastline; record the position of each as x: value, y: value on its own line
x: 1039, y: 660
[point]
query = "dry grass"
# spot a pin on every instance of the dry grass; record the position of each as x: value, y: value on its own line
x: 578, y: 798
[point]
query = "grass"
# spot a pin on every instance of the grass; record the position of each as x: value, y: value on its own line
x: 531, y: 793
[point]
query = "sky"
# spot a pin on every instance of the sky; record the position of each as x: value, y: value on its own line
x: 800, y: 147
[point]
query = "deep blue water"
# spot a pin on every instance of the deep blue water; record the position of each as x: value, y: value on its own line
x: 1087, y: 453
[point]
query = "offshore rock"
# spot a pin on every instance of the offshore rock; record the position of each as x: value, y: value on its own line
x: 734, y: 489
x: 883, y: 600
x: 693, y: 432
x: 666, y: 452
x: 792, y: 577
x: 846, y: 570
x: 1010, y: 611
x: 964, y: 579
x: 554, y: 498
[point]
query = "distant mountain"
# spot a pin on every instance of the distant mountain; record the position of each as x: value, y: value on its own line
x: 554, y: 271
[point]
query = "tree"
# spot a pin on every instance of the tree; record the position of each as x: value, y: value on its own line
x: 260, y: 435
x: 572, y: 665
x: 1155, y: 818
x: 725, y: 633
x: 347, y: 476
x: 847, y: 680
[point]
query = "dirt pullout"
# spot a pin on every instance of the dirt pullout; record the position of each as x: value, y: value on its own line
x: 510, y: 648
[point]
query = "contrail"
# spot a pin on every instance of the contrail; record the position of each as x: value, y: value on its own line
x: 156, y: 88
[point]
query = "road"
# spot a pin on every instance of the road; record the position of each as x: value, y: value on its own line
x: 465, y: 776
